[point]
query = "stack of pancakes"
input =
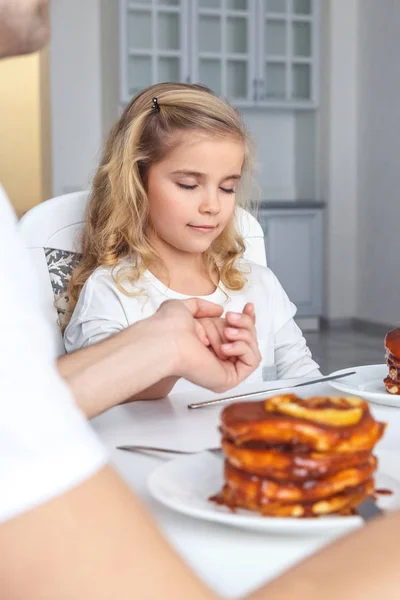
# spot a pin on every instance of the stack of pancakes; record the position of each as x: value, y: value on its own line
x: 289, y: 457
x: 392, y: 348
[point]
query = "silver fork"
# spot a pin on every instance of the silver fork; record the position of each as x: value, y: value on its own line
x: 367, y: 510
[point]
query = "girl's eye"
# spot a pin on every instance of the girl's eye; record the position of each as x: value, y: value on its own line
x: 184, y: 186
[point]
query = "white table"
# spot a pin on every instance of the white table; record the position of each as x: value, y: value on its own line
x: 232, y: 561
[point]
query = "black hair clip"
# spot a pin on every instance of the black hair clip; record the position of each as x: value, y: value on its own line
x: 155, y: 105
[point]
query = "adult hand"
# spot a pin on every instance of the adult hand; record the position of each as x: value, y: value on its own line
x: 211, y: 331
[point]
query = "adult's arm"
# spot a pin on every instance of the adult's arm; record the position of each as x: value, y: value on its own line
x: 139, y: 362
x: 133, y: 364
x: 94, y: 542
x: 97, y: 541
x: 153, y: 352
x: 360, y: 566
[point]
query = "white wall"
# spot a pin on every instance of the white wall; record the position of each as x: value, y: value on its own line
x: 75, y: 57
x: 378, y: 273
x: 358, y: 148
x: 85, y: 57
x: 338, y: 154
x: 110, y: 80
x: 305, y: 155
x: 273, y: 133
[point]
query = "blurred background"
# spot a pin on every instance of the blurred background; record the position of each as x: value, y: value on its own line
x: 316, y: 82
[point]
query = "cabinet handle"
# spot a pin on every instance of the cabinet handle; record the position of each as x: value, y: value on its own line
x: 263, y: 95
x: 255, y: 89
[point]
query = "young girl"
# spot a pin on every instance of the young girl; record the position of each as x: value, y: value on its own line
x: 161, y: 224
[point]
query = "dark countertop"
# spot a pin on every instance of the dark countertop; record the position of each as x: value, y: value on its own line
x: 285, y: 204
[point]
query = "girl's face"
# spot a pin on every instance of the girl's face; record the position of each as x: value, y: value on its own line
x: 191, y: 193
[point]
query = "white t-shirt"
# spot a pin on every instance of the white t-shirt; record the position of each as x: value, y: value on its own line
x: 46, y: 445
x: 103, y: 309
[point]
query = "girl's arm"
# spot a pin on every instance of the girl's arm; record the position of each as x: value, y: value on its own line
x: 292, y: 355
x: 159, y: 390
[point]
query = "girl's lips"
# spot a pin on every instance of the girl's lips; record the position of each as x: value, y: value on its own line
x: 203, y: 228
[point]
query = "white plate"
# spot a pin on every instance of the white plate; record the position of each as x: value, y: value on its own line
x: 185, y: 484
x: 367, y: 382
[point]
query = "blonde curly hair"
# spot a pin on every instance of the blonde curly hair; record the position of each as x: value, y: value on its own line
x: 117, y: 216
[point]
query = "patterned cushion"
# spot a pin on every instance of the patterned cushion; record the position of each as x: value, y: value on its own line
x: 60, y: 264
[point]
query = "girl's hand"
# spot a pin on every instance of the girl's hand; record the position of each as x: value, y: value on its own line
x: 239, y: 330
x: 177, y: 321
x: 225, y: 336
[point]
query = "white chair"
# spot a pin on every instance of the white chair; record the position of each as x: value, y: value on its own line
x: 57, y: 223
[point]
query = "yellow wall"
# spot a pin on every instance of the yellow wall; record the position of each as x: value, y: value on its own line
x: 24, y: 130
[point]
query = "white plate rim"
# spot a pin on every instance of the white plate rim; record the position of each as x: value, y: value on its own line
x: 383, y: 398
x: 252, y: 521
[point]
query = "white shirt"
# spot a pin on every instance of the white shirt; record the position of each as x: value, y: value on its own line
x: 103, y: 309
x: 46, y: 445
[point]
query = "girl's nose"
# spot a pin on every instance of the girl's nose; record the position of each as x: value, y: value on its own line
x: 210, y: 203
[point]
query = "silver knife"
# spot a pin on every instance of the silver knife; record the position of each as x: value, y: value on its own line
x: 368, y: 509
x: 135, y: 448
x: 263, y: 392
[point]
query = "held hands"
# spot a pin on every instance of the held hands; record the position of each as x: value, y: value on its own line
x: 219, y: 363
x: 223, y: 335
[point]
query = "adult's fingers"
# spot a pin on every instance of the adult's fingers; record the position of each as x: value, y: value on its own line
x: 202, y: 308
x: 215, y: 334
x: 201, y: 333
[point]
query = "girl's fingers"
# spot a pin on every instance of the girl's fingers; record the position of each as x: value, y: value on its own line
x: 243, y: 351
x: 232, y: 334
x: 239, y: 320
x: 249, y: 310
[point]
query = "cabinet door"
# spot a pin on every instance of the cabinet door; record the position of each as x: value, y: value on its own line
x: 293, y: 244
x: 154, y: 43
x: 223, y: 48
x: 287, y: 52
